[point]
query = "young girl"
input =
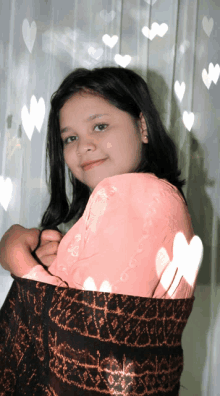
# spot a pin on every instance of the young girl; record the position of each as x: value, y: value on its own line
x: 133, y: 234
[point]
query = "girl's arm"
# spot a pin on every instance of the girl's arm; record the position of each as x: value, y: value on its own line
x: 16, y: 247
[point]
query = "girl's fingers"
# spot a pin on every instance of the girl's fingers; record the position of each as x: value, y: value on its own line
x: 48, y: 260
x: 47, y: 249
x: 51, y: 235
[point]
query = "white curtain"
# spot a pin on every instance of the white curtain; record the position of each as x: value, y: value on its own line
x: 174, y: 46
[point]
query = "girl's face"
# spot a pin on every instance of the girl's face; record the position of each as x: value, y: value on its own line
x: 91, y: 130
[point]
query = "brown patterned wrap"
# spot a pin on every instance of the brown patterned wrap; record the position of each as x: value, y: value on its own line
x: 60, y: 341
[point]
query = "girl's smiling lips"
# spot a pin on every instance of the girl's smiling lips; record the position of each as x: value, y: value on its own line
x: 90, y: 164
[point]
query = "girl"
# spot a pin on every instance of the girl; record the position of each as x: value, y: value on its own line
x: 133, y: 234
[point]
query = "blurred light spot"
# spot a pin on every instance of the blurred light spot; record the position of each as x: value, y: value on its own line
x: 188, y: 120
x: 179, y: 90
x: 150, y: 2
x: 95, y: 53
x: 6, y: 189
x: 89, y: 284
x: 212, y: 75
x: 207, y: 25
x: 156, y: 30
x: 34, y: 118
x: 187, y: 260
x: 109, y: 41
x: 107, y: 17
x: 29, y: 34
x: 122, y: 60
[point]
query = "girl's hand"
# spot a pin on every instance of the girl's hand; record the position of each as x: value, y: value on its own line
x: 47, y: 251
x: 16, y: 246
x: 18, y: 243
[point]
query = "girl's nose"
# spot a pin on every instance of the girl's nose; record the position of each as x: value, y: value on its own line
x: 86, y: 144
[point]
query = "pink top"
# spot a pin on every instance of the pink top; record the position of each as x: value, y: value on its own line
x: 135, y: 237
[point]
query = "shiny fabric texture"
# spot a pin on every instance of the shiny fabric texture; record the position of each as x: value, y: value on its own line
x: 64, y: 341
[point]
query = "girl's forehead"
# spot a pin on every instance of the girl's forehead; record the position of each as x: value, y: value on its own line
x: 85, y: 101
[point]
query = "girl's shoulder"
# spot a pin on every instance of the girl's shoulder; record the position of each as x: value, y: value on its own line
x: 140, y: 185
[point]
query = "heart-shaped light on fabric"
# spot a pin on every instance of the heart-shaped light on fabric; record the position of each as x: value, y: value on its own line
x: 34, y: 118
x: 6, y: 189
x: 150, y: 2
x: 27, y: 122
x: 162, y: 29
x: 207, y: 25
x: 162, y: 260
x: 212, y: 75
x: 214, y: 72
x: 38, y: 112
x: 184, y: 46
x: 149, y: 33
x: 89, y: 284
x: 29, y: 34
x: 107, y: 16
x: 186, y: 262
x: 95, y: 53
x: 155, y: 30
x: 179, y: 90
x: 206, y: 78
x: 122, y: 60
x: 110, y: 41
x: 188, y: 120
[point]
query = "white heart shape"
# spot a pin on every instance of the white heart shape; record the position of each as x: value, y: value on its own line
x: 186, y: 261
x: 29, y: 33
x: 188, y: 120
x: 214, y: 72
x: 6, y: 189
x: 150, y: 34
x: 37, y: 111
x: 206, y: 78
x: 179, y: 90
x: 155, y: 30
x: 150, y: 2
x: 27, y: 122
x: 107, y: 17
x: 109, y: 41
x: 207, y: 25
x: 96, y: 54
x: 35, y: 118
x: 105, y: 287
x: 122, y: 60
x: 89, y: 284
x: 162, y: 29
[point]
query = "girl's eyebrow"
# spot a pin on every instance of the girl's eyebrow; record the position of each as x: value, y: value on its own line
x: 92, y: 117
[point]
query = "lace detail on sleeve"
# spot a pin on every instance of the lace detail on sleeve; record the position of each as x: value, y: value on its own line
x: 97, y: 207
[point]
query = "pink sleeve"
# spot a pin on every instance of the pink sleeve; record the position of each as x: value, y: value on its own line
x: 138, y: 240
x: 38, y: 273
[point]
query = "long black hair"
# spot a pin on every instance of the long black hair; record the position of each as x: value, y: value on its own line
x: 127, y: 91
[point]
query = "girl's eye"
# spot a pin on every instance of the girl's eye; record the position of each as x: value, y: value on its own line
x: 65, y: 141
x: 101, y: 127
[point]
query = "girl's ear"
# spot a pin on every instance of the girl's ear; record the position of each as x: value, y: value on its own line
x: 143, y: 128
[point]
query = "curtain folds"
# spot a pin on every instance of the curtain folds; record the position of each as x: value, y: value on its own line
x: 174, y: 46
